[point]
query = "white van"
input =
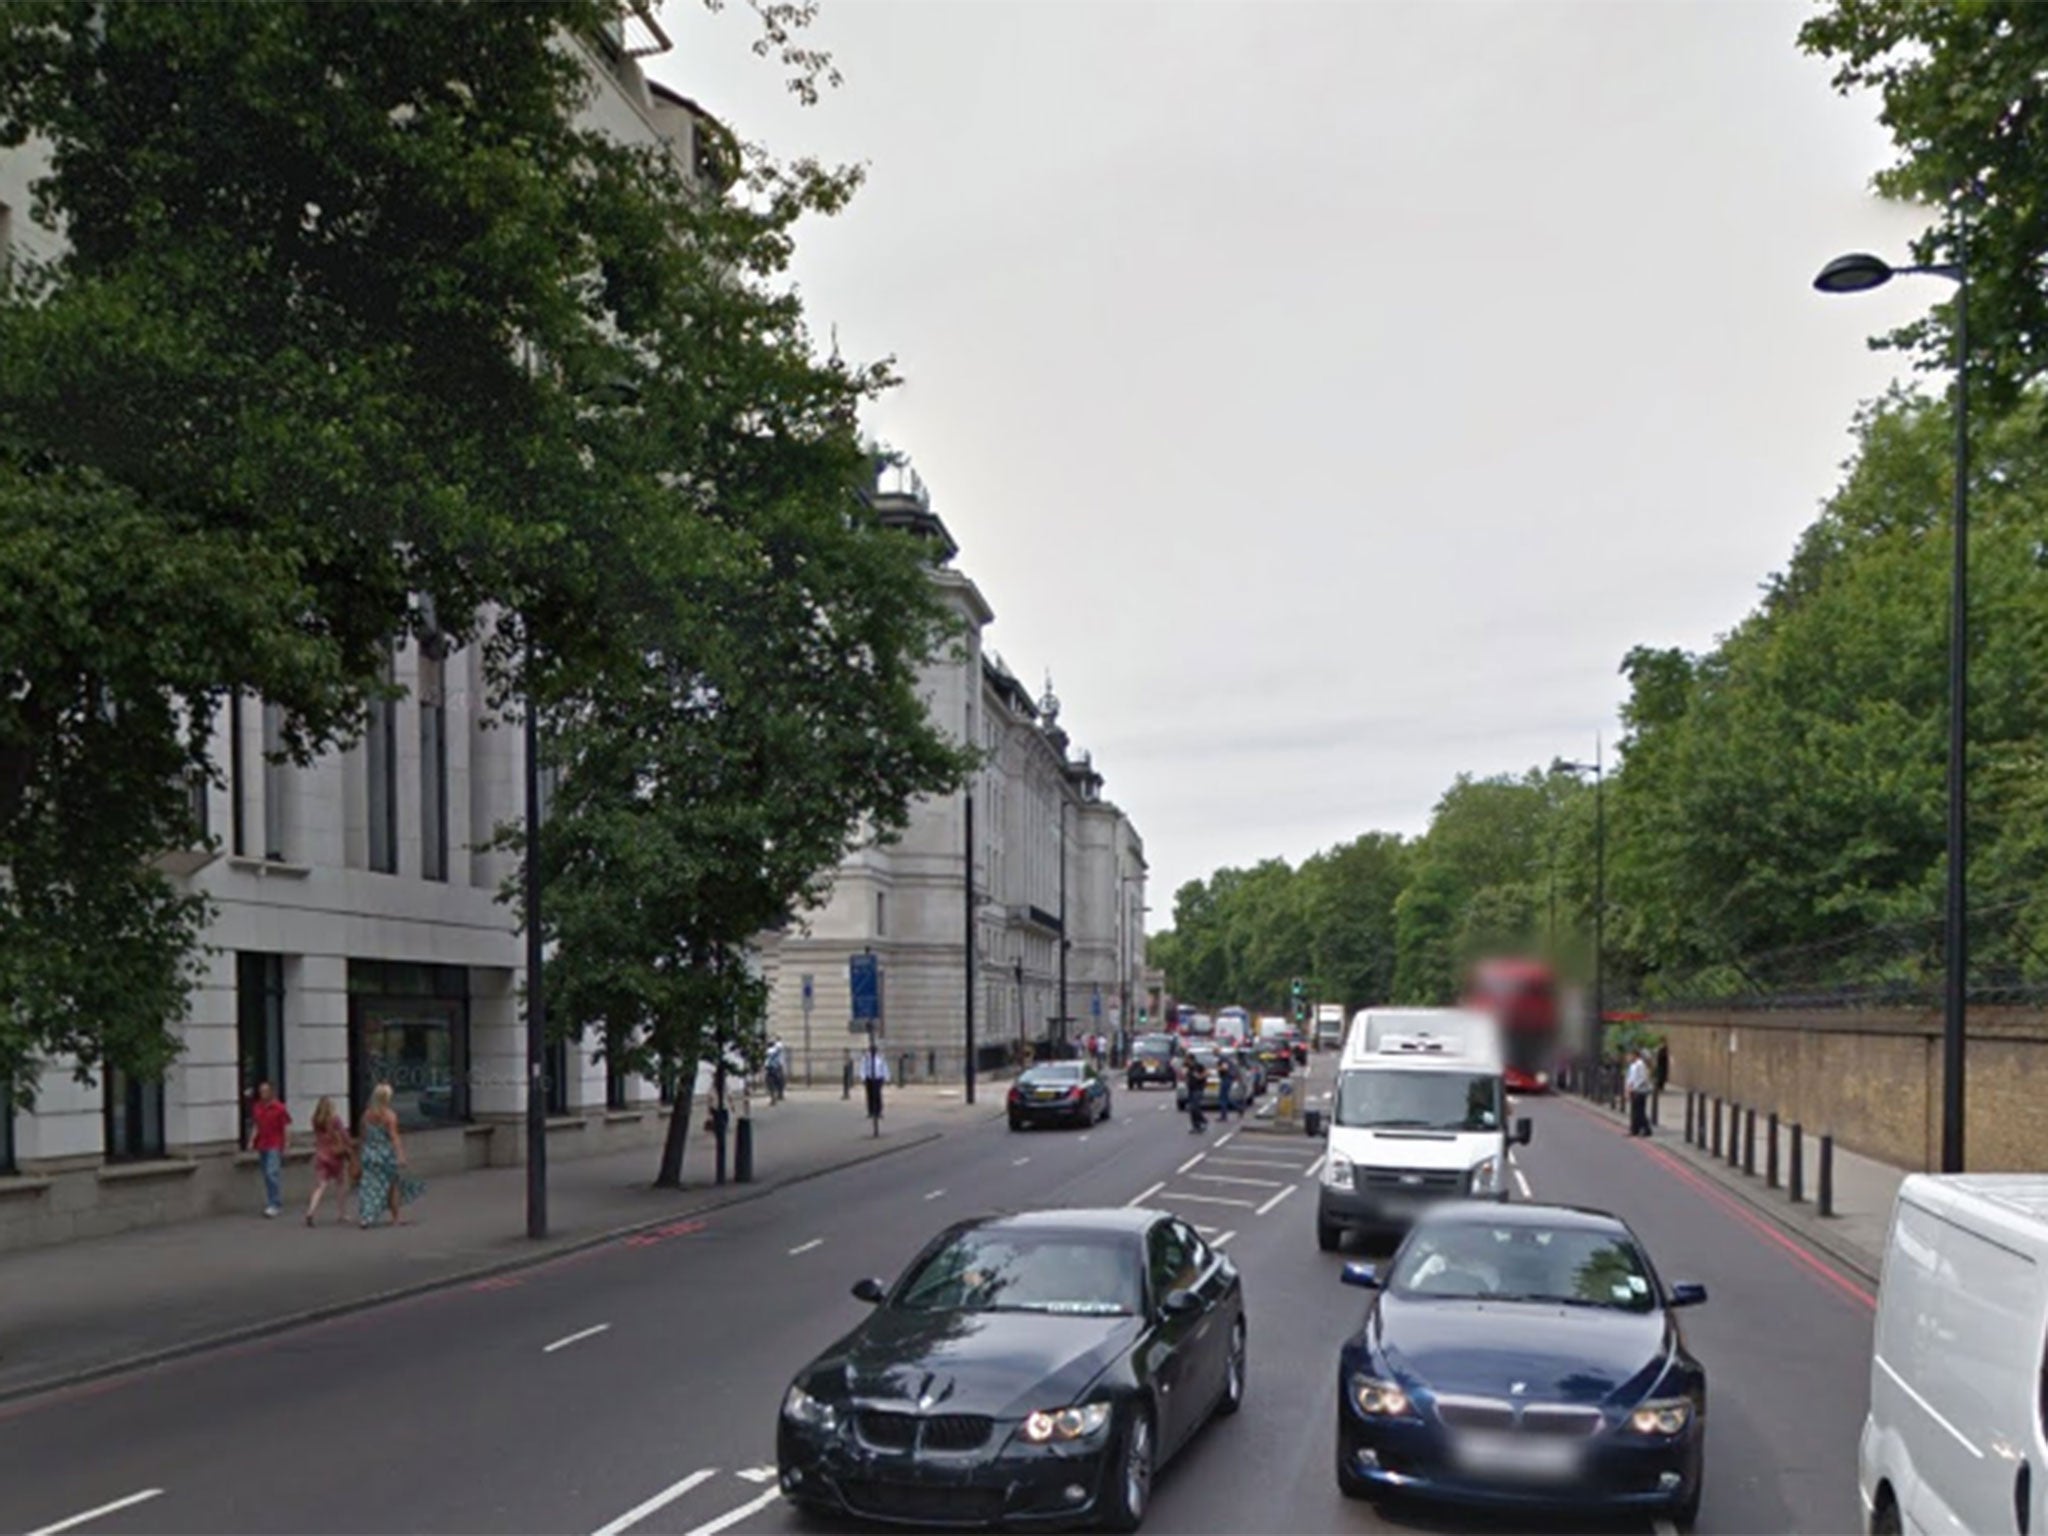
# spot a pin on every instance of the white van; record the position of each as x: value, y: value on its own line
x: 1959, y: 1370
x: 1418, y: 1113
x: 1329, y: 1026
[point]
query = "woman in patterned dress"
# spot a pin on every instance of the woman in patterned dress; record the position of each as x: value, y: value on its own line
x: 386, y: 1186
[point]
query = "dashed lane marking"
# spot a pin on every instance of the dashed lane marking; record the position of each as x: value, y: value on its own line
x: 935, y: 1194
x: 1226, y: 1237
x: 1019, y: 1162
x: 1184, y: 1167
x: 735, y: 1516
x: 661, y: 1500
x: 93, y: 1514
x: 816, y: 1242
x: 1314, y: 1168
x: 1209, y: 1199
x: 1147, y: 1195
x: 576, y: 1338
x: 1522, y: 1183
x: 1290, y: 1189
x: 1225, y: 1178
x: 1224, y: 1140
x: 757, y: 1474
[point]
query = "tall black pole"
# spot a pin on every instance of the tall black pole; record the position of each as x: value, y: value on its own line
x: 1061, y: 1025
x: 1599, y: 904
x: 970, y: 941
x: 1952, y: 1039
x: 536, y: 1007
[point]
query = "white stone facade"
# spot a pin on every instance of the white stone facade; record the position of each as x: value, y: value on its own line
x: 908, y: 901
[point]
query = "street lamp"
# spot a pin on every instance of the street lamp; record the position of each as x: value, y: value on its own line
x: 1598, y: 770
x: 1858, y: 273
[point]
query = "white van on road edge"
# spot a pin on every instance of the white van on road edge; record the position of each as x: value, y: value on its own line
x: 1954, y: 1440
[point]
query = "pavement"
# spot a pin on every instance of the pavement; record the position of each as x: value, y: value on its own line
x: 631, y: 1388
x: 82, y: 1309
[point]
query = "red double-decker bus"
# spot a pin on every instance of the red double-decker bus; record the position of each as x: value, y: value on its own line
x: 1522, y: 995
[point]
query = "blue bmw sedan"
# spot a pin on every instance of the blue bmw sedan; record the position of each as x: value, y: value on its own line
x: 1522, y: 1355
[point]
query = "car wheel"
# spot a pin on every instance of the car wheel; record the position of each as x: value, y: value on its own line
x: 1329, y: 1236
x: 1016, y: 1124
x: 1349, y: 1483
x: 1233, y: 1374
x: 1130, y: 1494
x: 1886, y: 1521
x: 1105, y: 1106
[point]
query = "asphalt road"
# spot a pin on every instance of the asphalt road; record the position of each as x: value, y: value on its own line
x: 634, y: 1387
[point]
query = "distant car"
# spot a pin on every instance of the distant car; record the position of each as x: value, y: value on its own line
x: 1276, y: 1047
x: 1027, y: 1369
x: 1152, y: 1061
x: 1524, y: 1356
x: 1058, y: 1093
x: 1212, y: 1095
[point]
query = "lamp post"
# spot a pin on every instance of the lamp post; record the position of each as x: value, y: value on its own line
x: 1858, y: 273
x: 1598, y: 769
x: 1060, y: 1023
x: 536, y: 1005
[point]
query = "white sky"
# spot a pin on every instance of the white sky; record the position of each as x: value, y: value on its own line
x: 1331, y: 394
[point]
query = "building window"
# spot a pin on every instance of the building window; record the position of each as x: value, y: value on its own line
x: 881, y: 913
x: 276, y: 784
x: 380, y: 763
x: 238, y: 788
x: 433, y: 771
x: 134, y: 1118
x: 259, y: 1027
x: 409, y: 1027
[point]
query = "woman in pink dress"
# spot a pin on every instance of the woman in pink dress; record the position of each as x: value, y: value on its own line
x: 333, y: 1148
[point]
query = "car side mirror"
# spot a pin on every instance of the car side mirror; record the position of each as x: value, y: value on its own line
x: 1364, y: 1276
x: 1181, y: 1304
x: 1687, y: 1293
x: 1524, y: 1129
x: 1312, y: 1122
x: 870, y: 1291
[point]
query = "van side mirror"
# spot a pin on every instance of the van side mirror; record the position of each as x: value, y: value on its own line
x: 1365, y: 1276
x: 1524, y: 1129
x: 1686, y: 1293
x: 1312, y: 1122
x: 870, y: 1291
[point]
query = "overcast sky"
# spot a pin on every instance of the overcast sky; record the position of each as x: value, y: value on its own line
x: 1331, y: 394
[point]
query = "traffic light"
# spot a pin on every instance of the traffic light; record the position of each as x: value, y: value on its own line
x: 1300, y: 1001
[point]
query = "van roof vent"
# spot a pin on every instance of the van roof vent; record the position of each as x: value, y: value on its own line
x: 1408, y: 1045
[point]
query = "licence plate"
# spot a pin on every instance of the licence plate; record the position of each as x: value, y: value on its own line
x: 1046, y: 1093
x: 1517, y: 1456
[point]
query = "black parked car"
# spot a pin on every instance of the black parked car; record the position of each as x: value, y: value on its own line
x: 1026, y: 1369
x: 1276, y: 1053
x: 1152, y: 1062
x: 1523, y: 1356
x: 1059, y: 1093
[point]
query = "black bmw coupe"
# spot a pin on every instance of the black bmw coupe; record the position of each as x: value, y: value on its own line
x: 1025, y: 1370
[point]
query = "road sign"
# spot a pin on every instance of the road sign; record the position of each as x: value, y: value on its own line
x: 864, y: 972
x: 810, y: 989
x: 1095, y: 1003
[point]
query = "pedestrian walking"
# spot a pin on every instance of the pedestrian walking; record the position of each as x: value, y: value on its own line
x: 333, y: 1155
x: 778, y: 1070
x: 387, y: 1186
x: 272, y: 1134
x: 1226, y: 1083
x: 1639, y: 1094
x: 1198, y: 1084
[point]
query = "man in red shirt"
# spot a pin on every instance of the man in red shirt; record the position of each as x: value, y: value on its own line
x: 271, y: 1119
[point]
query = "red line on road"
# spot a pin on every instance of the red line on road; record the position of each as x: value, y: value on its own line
x: 1745, y: 1215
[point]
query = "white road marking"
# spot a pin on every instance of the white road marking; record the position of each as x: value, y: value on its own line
x: 1219, y: 1242
x: 1206, y: 1231
x: 1224, y: 1139
x: 1019, y: 1162
x: 1522, y: 1183
x: 1208, y: 1199
x: 1085, y: 1135
x: 667, y: 1496
x: 1663, y: 1528
x: 1290, y: 1189
x: 93, y: 1514
x: 1277, y: 1165
x: 1147, y: 1195
x: 1314, y: 1168
x: 1224, y: 1178
x: 935, y: 1194
x: 577, y: 1338
x: 1184, y: 1167
x: 816, y: 1242
x: 734, y: 1517
x: 757, y: 1474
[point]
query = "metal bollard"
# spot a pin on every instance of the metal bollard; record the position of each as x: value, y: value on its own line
x: 719, y: 1120
x: 1827, y: 1175
x: 743, y: 1151
x: 1734, y: 1135
x: 1798, y: 1181
x: 1656, y: 1105
x: 1771, y: 1155
x: 1688, y: 1117
x: 1749, y: 1143
x: 1717, y: 1128
x: 931, y: 1058
x: 846, y: 1080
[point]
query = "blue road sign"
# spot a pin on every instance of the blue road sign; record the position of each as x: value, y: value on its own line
x: 864, y: 972
x: 810, y: 989
x: 1095, y: 1003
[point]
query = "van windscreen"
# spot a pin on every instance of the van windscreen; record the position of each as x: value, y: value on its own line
x: 1419, y: 1101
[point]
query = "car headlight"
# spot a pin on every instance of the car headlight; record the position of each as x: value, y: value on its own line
x: 1378, y: 1399
x: 1076, y: 1423
x: 801, y: 1408
x: 1666, y: 1417
x: 1337, y: 1171
x: 1486, y: 1177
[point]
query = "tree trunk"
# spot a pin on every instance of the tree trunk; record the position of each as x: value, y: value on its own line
x: 671, y: 1175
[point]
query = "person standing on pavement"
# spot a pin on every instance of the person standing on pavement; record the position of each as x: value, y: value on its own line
x: 1226, y: 1082
x: 272, y: 1123
x: 1639, y: 1094
x: 1198, y: 1084
x: 387, y: 1186
x: 1663, y: 1067
x: 778, y: 1070
x: 333, y: 1148
x: 873, y: 1070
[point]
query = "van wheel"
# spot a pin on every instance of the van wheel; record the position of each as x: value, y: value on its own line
x: 1886, y: 1521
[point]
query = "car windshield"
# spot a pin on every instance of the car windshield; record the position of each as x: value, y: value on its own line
x: 1155, y: 1047
x: 1426, y: 1101
x: 1274, y: 1031
x: 1078, y: 1273
x: 1066, y: 1073
x: 1563, y: 1266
